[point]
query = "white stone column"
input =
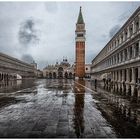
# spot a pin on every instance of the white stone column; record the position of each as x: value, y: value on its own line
x: 139, y: 21
x: 133, y: 26
x: 112, y: 75
x: 127, y: 75
x: 123, y: 34
x: 116, y: 76
x: 133, y: 51
x: 138, y: 72
x: 123, y: 55
x: 128, y: 32
x: 127, y: 80
x: 119, y: 75
x: 119, y: 57
x: 128, y: 53
x: 113, y: 60
x: 133, y: 76
x: 139, y: 82
x: 122, y: 75
x: 116, y: 59
x: 139, y: 46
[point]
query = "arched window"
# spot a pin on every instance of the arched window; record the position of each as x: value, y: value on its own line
x: 131, y: 29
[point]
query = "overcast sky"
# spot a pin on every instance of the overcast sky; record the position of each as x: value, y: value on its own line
x: 45, y: 31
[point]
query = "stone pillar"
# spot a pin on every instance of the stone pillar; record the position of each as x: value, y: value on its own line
x: 116, y: 59
x: 138, y: 75
x: 128, y: 53
x: 122, y: 55
x: 112, y: 73
x: 119, y: 57
x: 128, y: 32
x: 123, y: 34
x: 123, y: 75
x: 115, y: 87
x: 119, y: 80
x: 133, y: 81
x: 133, y: 24
x: 139, y: 46
x: 122, y: 85
x: 113, y: 59
x: 117, y: 76
x: 133, y: 76
x: 139, y: 20
x: 139, y: 83
x: 127, y: 79
x: 133, y: 51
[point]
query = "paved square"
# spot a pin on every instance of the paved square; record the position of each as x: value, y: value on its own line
x: 53, y: 109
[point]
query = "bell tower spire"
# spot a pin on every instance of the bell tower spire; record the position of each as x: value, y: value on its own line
x: 80, y: 17
x: 80, y: 46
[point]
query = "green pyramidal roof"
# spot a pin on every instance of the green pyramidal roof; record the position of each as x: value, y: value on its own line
x: 80, y: 18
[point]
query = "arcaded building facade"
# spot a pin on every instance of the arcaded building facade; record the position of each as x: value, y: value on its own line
x: 118, y: 62
x: 59, y: 70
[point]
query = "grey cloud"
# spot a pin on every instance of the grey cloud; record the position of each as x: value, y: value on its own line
x: 27, y: 32
x: 114, y: 30
x: 27, y: 58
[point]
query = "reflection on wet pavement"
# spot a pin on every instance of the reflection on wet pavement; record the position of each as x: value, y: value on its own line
x: 121, y: 112
x: 61, y: 108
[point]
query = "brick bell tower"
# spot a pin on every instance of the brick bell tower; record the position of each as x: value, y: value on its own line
x: 80, y: 47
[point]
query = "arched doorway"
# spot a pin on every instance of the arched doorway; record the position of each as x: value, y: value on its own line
x: 66, y: 75
x: 54, y: 75
x: 60, y: 72
x: 70, y: 75
x: 50, y: 75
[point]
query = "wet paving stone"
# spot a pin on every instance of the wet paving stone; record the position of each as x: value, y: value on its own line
x: 58, y: 109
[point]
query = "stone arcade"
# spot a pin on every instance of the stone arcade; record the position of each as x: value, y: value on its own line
x: 118, y: 63
x: 11, y: 67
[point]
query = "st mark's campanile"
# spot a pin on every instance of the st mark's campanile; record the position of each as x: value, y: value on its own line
x: 80, y: 47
